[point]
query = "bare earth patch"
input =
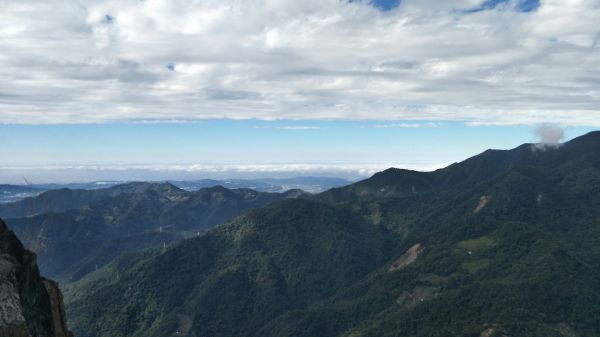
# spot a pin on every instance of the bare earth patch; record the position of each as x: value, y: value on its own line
x: 417, y: 296
x: 489, y: 332
x: 407, y: 258
x: 483, y: 201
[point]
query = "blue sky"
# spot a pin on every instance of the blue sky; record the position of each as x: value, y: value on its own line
x: 194, y: 88
x: 46, y: 152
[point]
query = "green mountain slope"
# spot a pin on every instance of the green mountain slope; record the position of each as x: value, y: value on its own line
x: 516, y: 267
x: 64, y: 199
x: 578, y: 155
x: 239, y: 276
x: 75, y: 242
x: 503, y: 244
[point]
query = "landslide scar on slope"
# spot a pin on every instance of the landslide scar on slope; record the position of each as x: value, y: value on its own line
x: 483, y: 201
x: 407, y: 258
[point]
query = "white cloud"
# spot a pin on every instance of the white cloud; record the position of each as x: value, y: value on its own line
x: 406, y: 125
x: 548, y: 133
x: 549, y: 136
x: 94, y: 61
x: 80, y: 173
x: 290, y: 127
x: 298, y: 127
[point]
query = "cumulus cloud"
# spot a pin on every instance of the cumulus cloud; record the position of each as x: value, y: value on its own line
x: 549, y: 136
x: 549, y: 133
x: 94, y: 61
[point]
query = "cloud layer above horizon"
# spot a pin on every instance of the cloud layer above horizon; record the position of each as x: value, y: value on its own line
x: 481, y: 62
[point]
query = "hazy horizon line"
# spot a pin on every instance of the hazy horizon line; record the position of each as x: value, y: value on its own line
x: 90, y: 173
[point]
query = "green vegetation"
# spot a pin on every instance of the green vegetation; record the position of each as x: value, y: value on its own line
x: 319, y: 268
x: 478, y: 244
x: 474, y: 266
x: 121, y: 219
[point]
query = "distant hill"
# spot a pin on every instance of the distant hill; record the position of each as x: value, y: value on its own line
x: 72, y: 242
x: 11, y: 193
x: 64, y: 199
x: 15, y: 193
x: 503, y: 244
x: 274, y: 185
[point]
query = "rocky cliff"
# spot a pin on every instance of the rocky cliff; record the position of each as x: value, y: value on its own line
x: 30, y: 306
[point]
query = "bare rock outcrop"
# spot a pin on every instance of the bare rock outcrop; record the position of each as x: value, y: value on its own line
x: 30, y: 306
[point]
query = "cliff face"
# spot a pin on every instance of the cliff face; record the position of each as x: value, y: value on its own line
x: 30, y: 306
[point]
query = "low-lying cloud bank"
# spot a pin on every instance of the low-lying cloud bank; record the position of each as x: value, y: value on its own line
x: 95, y: 61
x: 85, y: 173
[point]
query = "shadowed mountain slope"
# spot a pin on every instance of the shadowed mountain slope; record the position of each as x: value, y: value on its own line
x: 30, y: 306
x: 75, y: 242
x: 64, y: 199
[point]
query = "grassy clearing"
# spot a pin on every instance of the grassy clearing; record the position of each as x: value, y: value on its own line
x: 478, y: 244
x: 476, y: 265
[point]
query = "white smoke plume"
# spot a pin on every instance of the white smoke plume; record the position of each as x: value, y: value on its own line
x: 549, y: 136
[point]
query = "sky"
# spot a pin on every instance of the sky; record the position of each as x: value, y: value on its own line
x: 140, y: 89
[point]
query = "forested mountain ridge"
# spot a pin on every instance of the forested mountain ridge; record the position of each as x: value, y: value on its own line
x: 64, y: 199
x: 578, y: 154
x: 502, y: 244
x: 126, y: 218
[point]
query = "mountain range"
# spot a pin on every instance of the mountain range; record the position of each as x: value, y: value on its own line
x: 13, y: 193
x: 77, y: 231
x: 505, y: 243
